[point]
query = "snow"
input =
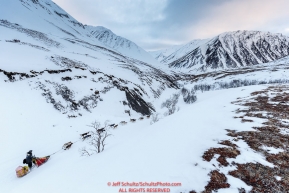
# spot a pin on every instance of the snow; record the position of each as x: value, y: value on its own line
x: 272, y: 149
x: 170, y: 149
x: 43, y: 17
x: 173, y: 53
x: 284, y: 131
x: 278, y: 178
x: 163, y: 53
x: 228, y: 50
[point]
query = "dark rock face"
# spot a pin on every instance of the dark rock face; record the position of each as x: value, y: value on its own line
x: 214, y: 60
x: 235, y: 49
x: 137, y: 103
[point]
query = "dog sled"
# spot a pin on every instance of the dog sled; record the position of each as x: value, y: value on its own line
x: 24, y: 170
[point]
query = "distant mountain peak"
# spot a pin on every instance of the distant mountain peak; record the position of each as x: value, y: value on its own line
x: 100, y: 29
x: 229, y: 50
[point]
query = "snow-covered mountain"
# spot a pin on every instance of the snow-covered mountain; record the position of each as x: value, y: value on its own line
x: 55, y: 51
x: 47, y: 17
x: 229, y: 50
x: 174, y: 52
x: 124, y: 46
x: 60, y: 78
x: 161, y: 54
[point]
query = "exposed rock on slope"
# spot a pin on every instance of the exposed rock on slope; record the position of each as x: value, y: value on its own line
x: 231, y: 50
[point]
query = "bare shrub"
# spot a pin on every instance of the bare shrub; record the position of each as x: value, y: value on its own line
x: 218, y: 181
x: 223, y: 152
x: 171, y: 104
x: 84, y: 152
x: 97, y: 139
x: 246, y: 120
x: 95, y: 125
x: 236, y: 83
x: 189, y: 97
x: 155, y: 118
x: 89, y: 102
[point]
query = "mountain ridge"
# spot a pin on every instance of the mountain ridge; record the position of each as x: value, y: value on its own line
x: 230, y: 50
x: 47, y: 14
x: 73, y: 70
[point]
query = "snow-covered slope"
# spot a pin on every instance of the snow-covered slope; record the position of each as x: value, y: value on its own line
x: 170, y: 149
x: 47, y: 17
x: 124, y: 46
x: 57, y: 76
x: 230, y: 50
x: 72, y: 68
x: 269, y: 73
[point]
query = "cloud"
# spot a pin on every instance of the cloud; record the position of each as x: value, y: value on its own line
x: 243, y: 15
x: 114, y: 11
x: 158, y: 24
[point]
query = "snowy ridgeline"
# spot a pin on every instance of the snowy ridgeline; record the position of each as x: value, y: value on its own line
x: 226, y: 51
x: 73, y: 68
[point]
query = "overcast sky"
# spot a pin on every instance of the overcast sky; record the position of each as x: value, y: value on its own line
x: 157, y: 24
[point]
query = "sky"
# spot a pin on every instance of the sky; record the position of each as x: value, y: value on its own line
x: 158, y: 24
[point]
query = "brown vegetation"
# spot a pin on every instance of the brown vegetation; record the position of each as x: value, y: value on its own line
x: 224, y: 153
x: 217, y: 181
x: 272, y: 106
x: 260, y: 177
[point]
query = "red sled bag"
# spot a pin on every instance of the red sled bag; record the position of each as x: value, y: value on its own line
x: 40, y: 160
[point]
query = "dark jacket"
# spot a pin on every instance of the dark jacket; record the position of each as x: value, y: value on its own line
x: 29, y: 158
